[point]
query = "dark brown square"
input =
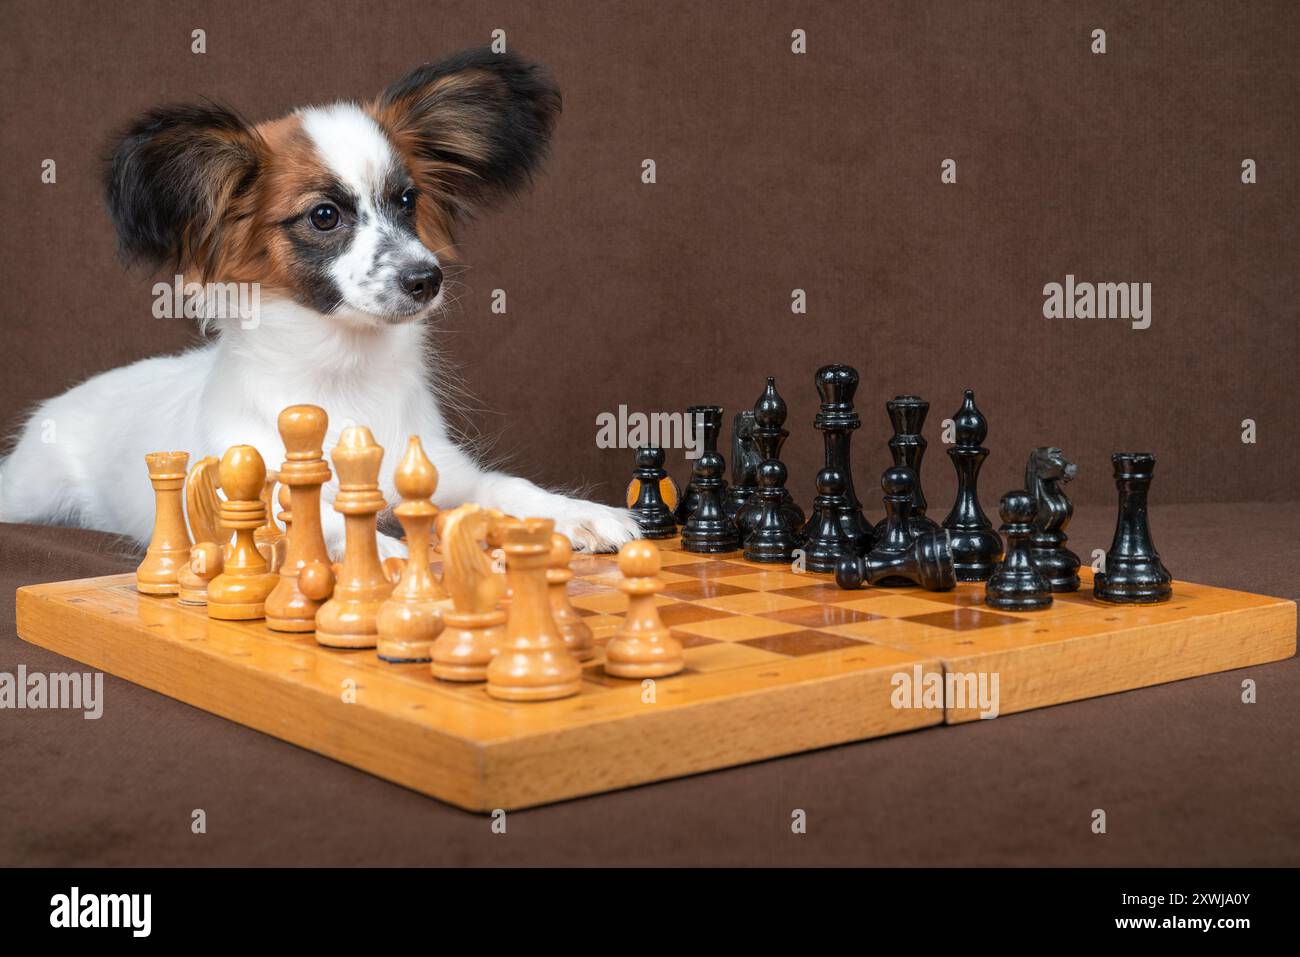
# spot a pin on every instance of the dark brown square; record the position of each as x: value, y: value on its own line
x: 964, y: 619
x: 823, y: 592
x: 704, y: 588
x: 959, y: 598
x: 794, y: 644
x: 683, y: 613
x: 711, y: 569
x: 819, y: 616
x: 693, y: 641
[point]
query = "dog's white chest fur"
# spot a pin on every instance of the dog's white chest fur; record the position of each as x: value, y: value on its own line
x: 80, y: 459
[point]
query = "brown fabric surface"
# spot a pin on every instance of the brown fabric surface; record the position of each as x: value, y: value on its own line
x: 775, y: 172
x: 1187, y: 774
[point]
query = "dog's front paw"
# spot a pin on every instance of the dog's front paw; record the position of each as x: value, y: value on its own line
x: 596, y: 528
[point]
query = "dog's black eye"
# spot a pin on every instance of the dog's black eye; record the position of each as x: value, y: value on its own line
x: 325, y: 217
x: 407, y: 201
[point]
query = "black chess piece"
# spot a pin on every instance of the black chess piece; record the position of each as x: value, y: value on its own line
x: 907, y: 416
x: 650, y: 510
x: 976, y: 548
x: 706, y: 422
x: 744, y: 463
x: 926, y: 562
x: 1017, y: 584
x: 769, y: 436
x: 709, y: 530
x: 1134, y: 573
x: 837, y: 385
x: 896, y: 532
x: 825, y: 538
x: 772, y: 539
x: 1045, y: 473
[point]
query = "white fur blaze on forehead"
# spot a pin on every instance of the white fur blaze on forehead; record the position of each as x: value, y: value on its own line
x: 351, y: 144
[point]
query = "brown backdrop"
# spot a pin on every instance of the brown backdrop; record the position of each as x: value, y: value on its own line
x: 775, y: 172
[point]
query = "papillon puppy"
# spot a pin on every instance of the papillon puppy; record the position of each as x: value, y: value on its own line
x: 342, y: 218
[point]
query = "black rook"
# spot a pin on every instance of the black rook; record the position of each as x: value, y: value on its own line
x: 1134, y: 573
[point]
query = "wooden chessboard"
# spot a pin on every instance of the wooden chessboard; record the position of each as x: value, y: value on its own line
x: 777, y: 663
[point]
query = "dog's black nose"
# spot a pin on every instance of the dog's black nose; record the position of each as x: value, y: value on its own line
x: 421, y: 283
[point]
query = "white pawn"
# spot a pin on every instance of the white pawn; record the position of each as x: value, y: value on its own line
x: 642, y: 647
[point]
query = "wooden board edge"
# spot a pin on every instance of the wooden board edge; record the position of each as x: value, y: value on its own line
x: 509, y: 772
x: 1191, y: 648
x: 719, y: 733
x: 543, y: 767
x: 420, y: 758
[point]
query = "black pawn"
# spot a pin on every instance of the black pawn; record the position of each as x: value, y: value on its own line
x: 907, y: 415
x: 708, y: 529
x: 1134, y: 573
x: 1017, y: 584
x: 650, y: 510
x: 837, y: 421
x: 1045, y: 473
x: 824, y: 537
x: 895, y: 531
x: 706, y: 421
x: 771, y: 539
x: 927, y: 562
x: 744, y: 463
x: 976, y: 548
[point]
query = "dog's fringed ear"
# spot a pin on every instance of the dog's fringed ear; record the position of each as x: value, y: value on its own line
x: 172, y: 179
x: 473, y: 127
